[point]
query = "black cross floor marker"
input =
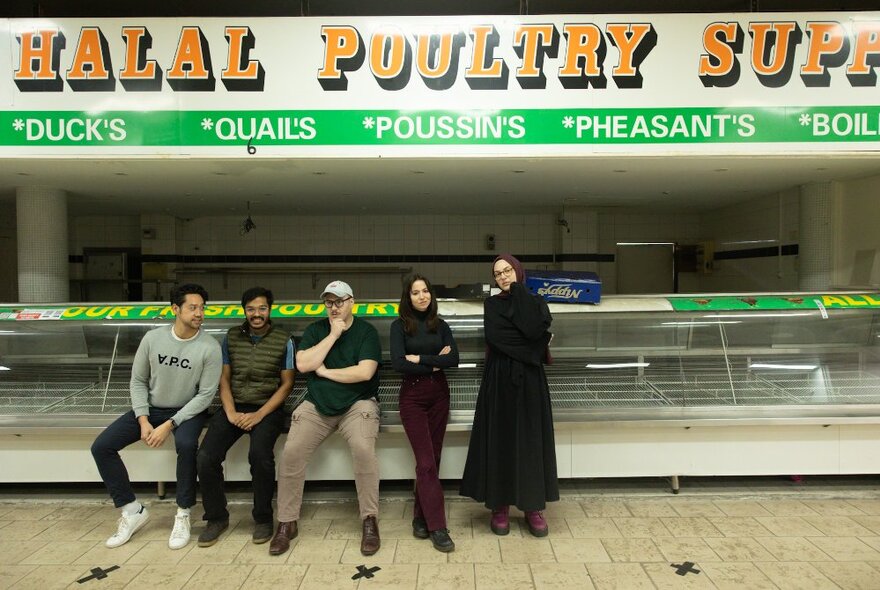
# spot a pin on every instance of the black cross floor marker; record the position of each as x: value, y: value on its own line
x: 684, y: 568
x: 365, y: 572
x: 97, y: 574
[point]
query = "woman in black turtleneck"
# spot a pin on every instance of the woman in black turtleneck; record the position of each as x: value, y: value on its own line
x: 421, y: 347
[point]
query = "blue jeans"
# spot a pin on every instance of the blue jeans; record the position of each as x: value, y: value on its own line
x: 124, y: 431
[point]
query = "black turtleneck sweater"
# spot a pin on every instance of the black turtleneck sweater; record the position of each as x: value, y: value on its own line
x: 423, y: 343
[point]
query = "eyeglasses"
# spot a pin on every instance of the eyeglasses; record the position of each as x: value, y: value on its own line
x: 503, y: 272
x: 337, y: 303
x: 253, y: 310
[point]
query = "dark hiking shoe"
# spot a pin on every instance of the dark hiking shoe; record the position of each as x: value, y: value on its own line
x: 420, y: 528
x: 212, y: 532
x: 441, y: 541
x: 262, y: 533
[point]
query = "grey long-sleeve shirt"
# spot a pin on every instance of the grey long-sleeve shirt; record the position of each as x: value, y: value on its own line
x: 172, y: 373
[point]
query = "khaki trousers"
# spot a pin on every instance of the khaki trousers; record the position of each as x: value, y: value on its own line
x: 359, y: 426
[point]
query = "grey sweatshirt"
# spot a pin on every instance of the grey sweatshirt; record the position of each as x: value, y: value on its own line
x: 173, y: 373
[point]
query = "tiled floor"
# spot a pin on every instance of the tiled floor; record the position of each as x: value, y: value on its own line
x: 824, y: 535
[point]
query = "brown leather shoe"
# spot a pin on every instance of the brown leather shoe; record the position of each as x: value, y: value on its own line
x: 281, y: 541
x: 370, y: 538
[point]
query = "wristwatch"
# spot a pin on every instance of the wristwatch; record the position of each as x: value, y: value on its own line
x: 174, y: 424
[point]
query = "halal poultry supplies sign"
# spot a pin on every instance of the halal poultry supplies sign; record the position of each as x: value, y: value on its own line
x: 559, y: 85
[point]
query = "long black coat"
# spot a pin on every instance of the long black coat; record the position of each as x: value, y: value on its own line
x: 511, y: 458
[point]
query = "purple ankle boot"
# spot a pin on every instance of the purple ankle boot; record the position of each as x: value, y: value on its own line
x: 500, y: 523
x: 537, y: 525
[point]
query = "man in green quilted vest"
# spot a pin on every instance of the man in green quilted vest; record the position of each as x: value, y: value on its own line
x: 258, y: 370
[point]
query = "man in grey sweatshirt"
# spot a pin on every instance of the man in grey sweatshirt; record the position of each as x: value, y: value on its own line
x: 174, y: 378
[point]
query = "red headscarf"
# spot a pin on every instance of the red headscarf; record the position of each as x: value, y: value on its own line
x: 516, y: 265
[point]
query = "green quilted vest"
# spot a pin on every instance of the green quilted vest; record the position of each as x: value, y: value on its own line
x: 256, y: 368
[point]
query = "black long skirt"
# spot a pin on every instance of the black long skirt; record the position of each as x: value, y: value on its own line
x: 512, y: 456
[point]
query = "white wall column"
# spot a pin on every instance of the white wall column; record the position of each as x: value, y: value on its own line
x: 816, y: 232
x: 43, y: 267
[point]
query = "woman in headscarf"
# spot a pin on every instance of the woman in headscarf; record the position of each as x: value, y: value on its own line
x: 512, y: 457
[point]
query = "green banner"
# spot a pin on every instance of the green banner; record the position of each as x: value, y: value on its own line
x: 775, y: 302
x: 398, y: 127
x: 152, y: 312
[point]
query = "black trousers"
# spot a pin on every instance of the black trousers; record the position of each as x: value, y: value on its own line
x: 220, y: 437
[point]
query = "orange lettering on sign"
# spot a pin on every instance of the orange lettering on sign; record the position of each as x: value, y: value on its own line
x: 442, y: 55
x: 91, y: 58
x: 242, y: 73
x: 828, y: 46
x: 581, y: 55
x: 343, y: 51
x: 528, y: 39
x: 866, y: 54
x: 485, y: 39
x: 38, y: 63
x: 722, y: 41
x: 387, y: 54
x: 772, y: 46
x: 627, y: 38
x: 191, y: 68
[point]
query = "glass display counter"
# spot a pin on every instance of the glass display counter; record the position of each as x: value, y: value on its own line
x: 638, y: 377
x: 729, y: 357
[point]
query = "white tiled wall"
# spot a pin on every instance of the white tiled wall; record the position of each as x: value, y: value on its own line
x: 101, y: 231
x: 749, y: 224
x: 752, y: 224
x: 857, y: 235
x: 351, y: 235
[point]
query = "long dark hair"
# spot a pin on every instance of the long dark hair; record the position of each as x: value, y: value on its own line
x: 406, y: 311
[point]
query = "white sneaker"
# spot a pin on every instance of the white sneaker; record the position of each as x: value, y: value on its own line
x: 180, y: 533
x: 127, y: 525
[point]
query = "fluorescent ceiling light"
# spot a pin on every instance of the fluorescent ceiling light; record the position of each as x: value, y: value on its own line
x: 616, y: 365
x: 467, y: 366
x: 697, y: 323
x: 750, y: 242
x: 781, y: 366
x: 2, y: 368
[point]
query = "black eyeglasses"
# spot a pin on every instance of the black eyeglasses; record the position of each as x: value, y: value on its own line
x: 503, y: 272
x: 337, y: 303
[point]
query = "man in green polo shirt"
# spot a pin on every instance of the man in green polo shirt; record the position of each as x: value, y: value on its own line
x: 340, y: 356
